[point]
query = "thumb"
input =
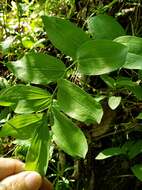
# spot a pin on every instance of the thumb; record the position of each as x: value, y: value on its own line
x: 22, y: 181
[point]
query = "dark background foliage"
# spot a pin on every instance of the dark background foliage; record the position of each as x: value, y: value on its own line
x: 21, y: 30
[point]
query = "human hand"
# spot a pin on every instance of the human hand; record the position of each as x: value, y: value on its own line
x: 13, y: 177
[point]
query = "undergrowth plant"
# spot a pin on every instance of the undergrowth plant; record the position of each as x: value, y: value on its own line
x: 52, y: 115
x: 129, y: 150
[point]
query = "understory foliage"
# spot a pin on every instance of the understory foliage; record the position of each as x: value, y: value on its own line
x: 71, y: 92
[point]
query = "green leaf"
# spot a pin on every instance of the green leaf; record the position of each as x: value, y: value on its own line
x: 104, y: 27
x: 98, y: 57
x: 139, y: 116
x: 21, y: 126
x: 64, y: 35
x: 76, y: 103
x: 21, y: 142
x: 69, y: 137
x: 137, y: 91
x: 137, y: 170
x: 38, y: 155
x: 109, y: 152
x: 28, y: 42
x: 25, y: 106
x: 133, y: 61
x: 114, y: 102
x: 25, y: 99
x: 135, y: 149
x: 133, y: 43
x: 132, y: 148
x: 37, y: 68
x: 134, y: 57
x: 124, y: 82
x: 127, y: 146
x: 108, y: 80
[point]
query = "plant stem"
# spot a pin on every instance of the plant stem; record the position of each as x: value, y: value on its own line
x: 19, y: 21
x: 4, y: 15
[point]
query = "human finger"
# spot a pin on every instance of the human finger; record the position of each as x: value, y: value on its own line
x: 22, y: 181
x: 46, y: 185
x: 9, y: 166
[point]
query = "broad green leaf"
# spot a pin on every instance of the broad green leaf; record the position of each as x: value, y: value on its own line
x: 109, y: 152
x: 25, y: 99
x: 139, y: 116
x: 135, y: 149
x: 108, y: 80
x: 127, y: 146
x: 37, y: 68
x: 134, y: 57
x: 68, y: 137
x: 21, y: 142
x: 64, y: 35
x: 104, y: 27
x: 124, y: 82
x: 98, y: 57
x: 132, y: 148
x: 99, y: 98
x: 133, y: 43
x: 28, y: 42
x: 21, y: 126
x: 114, y: 102
x: 137, y: 170
x: 20, y: 91
x: 133, y: 61
x: 38, y: 155
x: 5, y: 102
x: 30, y: 106
x: 78, y: 104
x: 137, y: 91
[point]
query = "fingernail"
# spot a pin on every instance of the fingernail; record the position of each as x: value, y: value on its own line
x: 33, y: 181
